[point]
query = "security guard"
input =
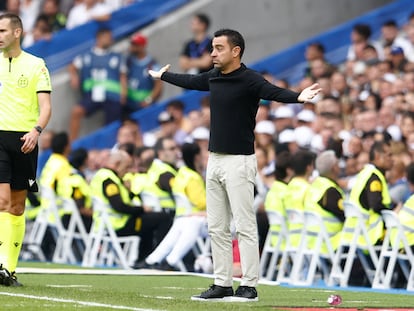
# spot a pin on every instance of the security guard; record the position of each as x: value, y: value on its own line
x: 370, y: 191
x: 325, y: 198
x: 162, y: 170
x: 275, y: 198
x: 303, y: 166
x: 128, y: 219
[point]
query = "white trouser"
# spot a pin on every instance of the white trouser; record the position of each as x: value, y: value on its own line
x: 179, y: 240
x: 230, y: 193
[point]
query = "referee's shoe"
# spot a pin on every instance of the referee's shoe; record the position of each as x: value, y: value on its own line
x: 8, y: 279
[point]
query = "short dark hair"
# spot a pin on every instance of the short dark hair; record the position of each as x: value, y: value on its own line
x: 204, y: 19
x: 319, y: 46
x: 189, y: 151
x: 363, y: 30
x: 178, y: 104
x: 78, y: 157
x: 409, y: 172
x: 233, y: 37
x: 390, y: 23
x: 283, y: 162
x: 15, y: 20
x: 59, y: 142
x: 301, y: 160
x: 377, y: 147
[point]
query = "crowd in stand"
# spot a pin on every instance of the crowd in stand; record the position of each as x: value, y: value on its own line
x: 355, y: 141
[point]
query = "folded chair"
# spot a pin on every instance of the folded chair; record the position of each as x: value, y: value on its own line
x: 273, y: 246
x: 104, y: 247
x: 395, y: 251
x: 349, y: 250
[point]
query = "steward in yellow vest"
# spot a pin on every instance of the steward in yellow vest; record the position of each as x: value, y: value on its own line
x: 128, y: 219
x: 303, y: 165
x: 162, y: 170
x: 76, y: 187
x: 275, y: 198
x: 406, y: 213
x: 370, y: 192
x: 325, y: 198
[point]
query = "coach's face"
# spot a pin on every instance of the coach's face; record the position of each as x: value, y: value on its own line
x: 224, y: 55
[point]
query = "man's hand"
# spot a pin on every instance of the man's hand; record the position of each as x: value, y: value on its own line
x: 158, y: 74
x: 309, y: 93
x: 29, y: 141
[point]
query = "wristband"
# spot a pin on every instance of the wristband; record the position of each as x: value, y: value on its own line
x: 38, y: 128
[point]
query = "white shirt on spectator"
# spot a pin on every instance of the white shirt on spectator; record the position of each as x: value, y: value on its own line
x: 80, y: 14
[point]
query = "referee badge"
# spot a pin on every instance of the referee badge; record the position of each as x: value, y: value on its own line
x: 22, y: 82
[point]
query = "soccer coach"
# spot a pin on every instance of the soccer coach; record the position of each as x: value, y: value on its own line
x: 235, y: 91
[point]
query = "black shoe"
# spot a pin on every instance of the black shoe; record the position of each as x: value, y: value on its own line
x: 165, y: 266
x: 245, y: 293
x: 8, y: 279
x: 215, y: 293
x: 142, y: 265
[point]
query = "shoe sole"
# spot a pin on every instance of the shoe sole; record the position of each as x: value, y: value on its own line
x: 243, y: 299
x: 224, y: 299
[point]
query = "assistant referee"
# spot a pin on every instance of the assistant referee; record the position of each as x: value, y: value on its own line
x: 25, y: 109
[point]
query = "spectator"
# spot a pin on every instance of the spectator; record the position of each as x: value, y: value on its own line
x: 41, y: 31
x: 57, y: 166
x: 189, y: 224
x: 142, y: 89
x: 390, y: 37
x: 370, y: 191
x: 126, y: 218
x: 28, y: 12
x: 55, y: 18
x: 100, y: 75
x: 75, y: 186
x: 176, y: 109
x: 325, y: 198
x: 88, y: 10
x: 398, y: 59
x: 195, y: 56
x: 360, y: 38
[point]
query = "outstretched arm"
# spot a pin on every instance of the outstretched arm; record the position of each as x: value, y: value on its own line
x: 192, y: 82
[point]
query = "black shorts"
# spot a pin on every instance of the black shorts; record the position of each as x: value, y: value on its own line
x: 16, y: 168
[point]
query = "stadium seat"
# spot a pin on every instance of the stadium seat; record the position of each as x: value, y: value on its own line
x: 348, y: 251
x: 273, y: 246
x: 104, y: 247
x: 395, y: 250
x: 75, y: 233
x: 47, y: 218
x: 315, y: 253
x: 290, y: 251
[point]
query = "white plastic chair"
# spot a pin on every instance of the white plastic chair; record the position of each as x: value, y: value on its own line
x: 348, y: 251
x: 104, y: 247
x: 272, y: 250
x: 309, y: 259
x: 48, y: 217
x: 395, y: 250
x: 290, y: 251
x: 76, y: 232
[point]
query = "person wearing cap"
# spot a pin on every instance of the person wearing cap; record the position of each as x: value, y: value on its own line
x: 283, y: 118
x: 195, y: 56
x: 398, y: 59
x: 264, y: 132
x: 142, y: 89
x: 100, y: 76
x: 235, y: 92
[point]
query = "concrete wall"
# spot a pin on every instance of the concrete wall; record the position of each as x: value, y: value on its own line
x: 267, y: 25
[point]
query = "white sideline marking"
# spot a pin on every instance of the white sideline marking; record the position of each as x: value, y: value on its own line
x: 84, y: 303
x: 67, y: 286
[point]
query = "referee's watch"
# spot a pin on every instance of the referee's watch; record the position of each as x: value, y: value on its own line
x: 38, y: 128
